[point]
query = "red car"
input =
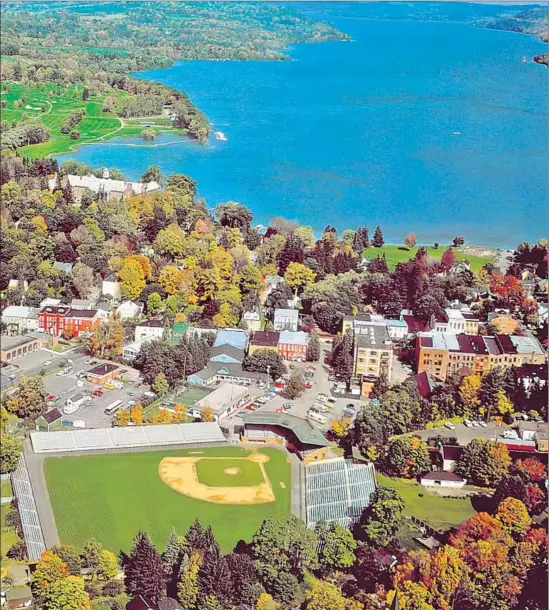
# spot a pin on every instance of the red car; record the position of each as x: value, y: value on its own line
x: 97, y: 392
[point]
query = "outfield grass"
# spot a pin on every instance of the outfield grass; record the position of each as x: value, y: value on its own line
x: 212, y: 473
x: 441, y: 513
x: 399, y: 254
x: 112, y: 496
x: 53, y: 110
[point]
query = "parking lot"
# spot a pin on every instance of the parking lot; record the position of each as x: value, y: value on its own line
x: 300, y: 405
x: 65, y: 386
x: 465, y: 435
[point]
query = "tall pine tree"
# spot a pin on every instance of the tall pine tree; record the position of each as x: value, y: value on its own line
x: 175, y: 547
x: 378, y: 240
x: 214, y: 577
x: 293, y: 251
x: 342, y: 357
x: 145, y: 571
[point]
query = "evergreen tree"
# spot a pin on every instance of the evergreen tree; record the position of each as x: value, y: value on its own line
x: 85, y: 94
x: 378, y: 240
x: 313, y: 348
x: 195, y: 536
x: 381, y: 385
x: 187, y: 588
x: 361, y: 240
x: 214, y: 577
x: 342, y: 357
x: 293, y: 251
x: 145, y: 571
x: 175, y: 547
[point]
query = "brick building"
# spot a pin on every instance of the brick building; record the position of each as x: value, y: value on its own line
x: 63, y: 320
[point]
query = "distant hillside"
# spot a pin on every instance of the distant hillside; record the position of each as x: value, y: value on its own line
x: 531, y: 21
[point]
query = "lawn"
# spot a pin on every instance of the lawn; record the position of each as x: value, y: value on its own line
x: 214, y: 473
x: 5, y: 489
x: 112, y: 496
x: 8, y: 537
x: 441, y: 513
x: 399, y: 254
x: 53, y: 110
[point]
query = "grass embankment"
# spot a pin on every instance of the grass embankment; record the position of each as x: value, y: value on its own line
x: 440, y: 513
x: 52, y: 111
x: 110, y: 497
x: 8, y: 537
x: 398, y: 254
x: 5, y: 489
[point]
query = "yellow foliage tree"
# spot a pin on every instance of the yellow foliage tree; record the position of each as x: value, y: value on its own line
x: 266, y: 602
x: 122, y: 417
x: 39, y: 223
x: 299, y: 276
x: 339, y: 427
x: 170, y: 279
x: 136, y: 413
x: 469, y: 393
x: 142, y: 261
x: 207, y: 413
x: 132, y: 279
x: 504, y: 405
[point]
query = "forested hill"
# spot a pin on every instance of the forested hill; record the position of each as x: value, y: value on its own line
x: 96, y: 46
x: 530, y: 21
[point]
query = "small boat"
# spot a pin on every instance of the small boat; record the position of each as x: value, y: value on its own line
x: 524, y: 60
x: 456, y: 133
x: 220, y: 135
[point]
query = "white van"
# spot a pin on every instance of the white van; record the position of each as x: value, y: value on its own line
x: 316, y: 417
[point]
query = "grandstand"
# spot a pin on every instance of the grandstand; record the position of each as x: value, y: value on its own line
x: 123, y: 438
x: 337, y: 490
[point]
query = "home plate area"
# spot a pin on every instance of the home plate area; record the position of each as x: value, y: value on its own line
x: 237, y: 480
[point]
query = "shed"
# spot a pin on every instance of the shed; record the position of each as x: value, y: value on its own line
x: 51, y: 420
x: 18, y: 597
x: 441, y: 478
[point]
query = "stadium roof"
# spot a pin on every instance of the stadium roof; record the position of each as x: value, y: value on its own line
x: 118, y: 438
x: 232, y: 336
x: 303, y: 430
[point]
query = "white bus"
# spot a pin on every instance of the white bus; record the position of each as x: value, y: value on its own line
x: 114, y: 406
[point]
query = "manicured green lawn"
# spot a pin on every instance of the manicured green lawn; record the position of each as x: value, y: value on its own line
x: 440, y: 513
x: 397, y: 254
x: 7, y: 537
x: 5, y: 489
x: 53, y: 110
x: 112, y: 496
x: 213, y: 473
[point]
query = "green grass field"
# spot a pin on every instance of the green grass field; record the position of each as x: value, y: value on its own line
x: 5, y: 489
x: 212, y: 473
x: 53, y: 110
x: 441, y: 513
x: 111, y: 496
x: 8, y: 537
x: 398, y: 254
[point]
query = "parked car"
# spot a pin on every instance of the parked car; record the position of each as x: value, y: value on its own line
x: 98, y: 392
x: 46, y: 363
x: 467, y: 423
x: 331, y: 402
x: 124, y: 371
x: 322, y: 398
x: 308, y: 385
x: 483, y: 424
x: 288, y: 405
x: 449, y: 425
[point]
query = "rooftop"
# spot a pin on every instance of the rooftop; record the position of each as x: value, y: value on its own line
x: 372, y: 336
x: 266, y: 338
x: 226, y: 368
x: 229, y: 350
x: 151, y: 324
x: 231, y: 336
x: 82, y: 313
x: 17, y: 311
x: 52, y: 415
x: 442, y: 475
x: 103, y: 369
x: 291, y: 337
x: 17, y: 340
x: 287, y: 313
x: 224, y: 396
x: 303, y: 430
x: 111, y: 186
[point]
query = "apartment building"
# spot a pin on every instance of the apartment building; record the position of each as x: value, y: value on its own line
x: 443, y: 354
x: 455, y: 322
x: 63, y: 320
x: 372, y: 352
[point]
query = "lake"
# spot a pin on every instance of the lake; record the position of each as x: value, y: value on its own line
x: 433, y: 127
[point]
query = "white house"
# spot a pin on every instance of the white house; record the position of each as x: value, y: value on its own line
x: 441, y: 478
x: 81, y: 304
x: 130, y: 351
x: 49, y: 303
x: 253, y: 320
x: 14, y: 284
x: 286, y: 319
x: 74, y: 402
x: 19, y: 319
x: 397, y: 329
x: 129, y: 309
x: 150, y: 329
x: 111, y: 286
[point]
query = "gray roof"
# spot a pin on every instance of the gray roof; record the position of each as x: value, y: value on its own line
x: 67, y: 267
x: 229, y: 350
x: 372, y: 336
x: 303, y: 430
x: 9, y: 342
x: 52, y: 415
x: 291, y: 337
x: 234, y: 370
x: 287, y: 313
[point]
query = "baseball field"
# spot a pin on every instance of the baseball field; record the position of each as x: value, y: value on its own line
x: 110, y: 497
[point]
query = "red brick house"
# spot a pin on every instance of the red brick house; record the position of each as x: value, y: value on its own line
x: 292, y: 345
x: 62, y: 320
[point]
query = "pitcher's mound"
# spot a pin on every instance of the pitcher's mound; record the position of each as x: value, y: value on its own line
x: 232, y: 471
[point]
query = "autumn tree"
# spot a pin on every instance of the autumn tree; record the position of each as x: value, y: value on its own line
x: 132, y: 279
x: 469, y: 394
x: 106, y: 339
x: 514, y: 517
x: 295, y: 385
x: 49, y: 569
x: 29, y: 401
x: 407, y: 456
x: 145, y: 572
x: 70, y: 556
x: 410, y: 240
x: 187, y: 588
x: 161, y: 385
x: 448, y: 259
x: 324, y: 595
x: 340, y: 427
x: 207, y: 414
x: 66, y: 594
x: 298, y: 276
x: 484, y: 462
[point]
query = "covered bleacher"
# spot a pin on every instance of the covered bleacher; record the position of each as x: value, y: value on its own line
x: 128, y: 437
x: 338, y: 490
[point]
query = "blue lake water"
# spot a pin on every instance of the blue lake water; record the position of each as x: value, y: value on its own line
x: 434, y: 127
